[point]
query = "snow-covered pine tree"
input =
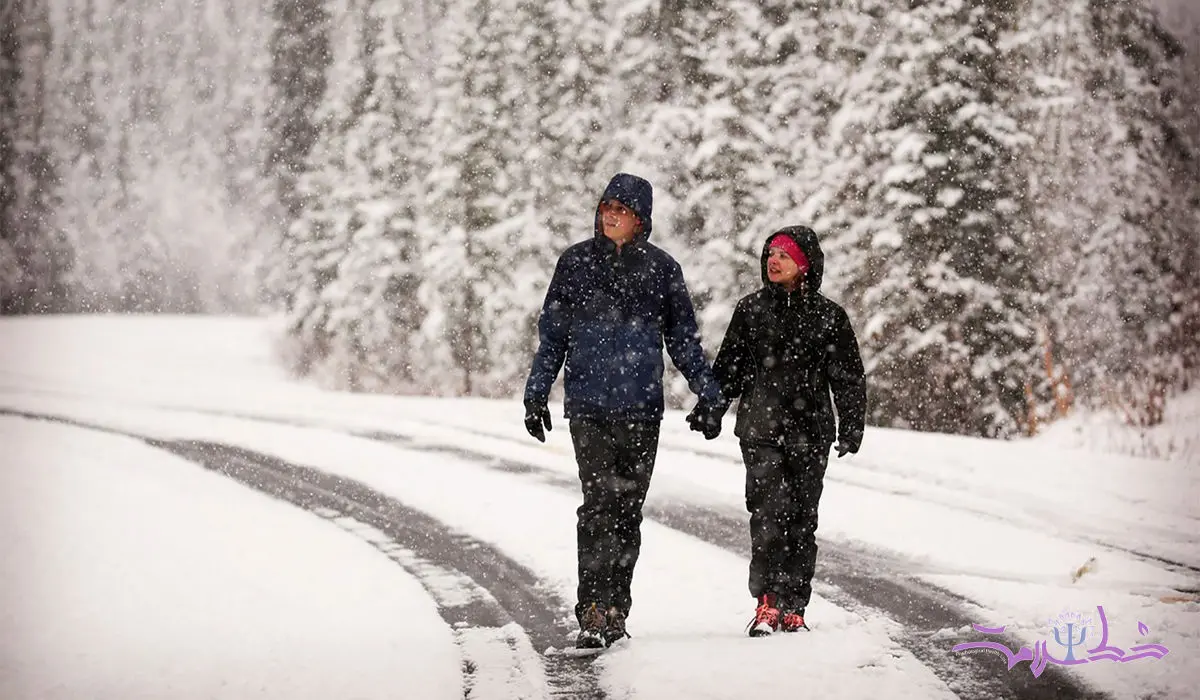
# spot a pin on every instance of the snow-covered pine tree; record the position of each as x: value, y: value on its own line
x: 85, y: 211
x: 462, y: 165
x: 247, y: 72
x: 840, y: 151
x: 1066, y: 127
x: 1184, y: 111
x: 376, y: 310
x: 332, y: 181
x: 300, y: 55
x: 520, y: 248
x: 574, y: 135
x: 45, y: 254
x: 1145, y: 241
x: 950, y: 344
x: 178, y: 163
x: 140, y: 152
x: 488, y: 240
x: 802, y: 105
x: 13, y: 279
x: 1111, y: 175
x: 655, y: 78
x: 738, y: 103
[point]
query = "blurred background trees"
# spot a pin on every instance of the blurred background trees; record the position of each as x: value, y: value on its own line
x: 1006, y: 191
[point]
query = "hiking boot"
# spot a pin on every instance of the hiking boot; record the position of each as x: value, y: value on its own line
x: 592, y: 628
x: 792, y: 621
x: 615, y: 631
x: 766, y: 617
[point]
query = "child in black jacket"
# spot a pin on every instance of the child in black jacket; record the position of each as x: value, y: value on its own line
x: 786, y: 350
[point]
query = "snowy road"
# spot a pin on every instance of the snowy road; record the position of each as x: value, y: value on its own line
x: 134, y: 575
x: 478, y: 525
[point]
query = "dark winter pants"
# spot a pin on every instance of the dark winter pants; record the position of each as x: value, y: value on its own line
x: 783, y: 490
x: 616, y: 460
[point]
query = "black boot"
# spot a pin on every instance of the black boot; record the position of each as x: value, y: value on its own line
x: 593, y: 626
x: 615, y: 631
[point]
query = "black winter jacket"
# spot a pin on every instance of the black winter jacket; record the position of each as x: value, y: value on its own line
x: 782, y: 355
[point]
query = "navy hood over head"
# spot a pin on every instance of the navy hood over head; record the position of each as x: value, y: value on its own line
x: 634, y: 192
x: 608, y: 315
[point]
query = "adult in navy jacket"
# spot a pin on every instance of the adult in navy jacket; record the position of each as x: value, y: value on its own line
x: 615, y: 300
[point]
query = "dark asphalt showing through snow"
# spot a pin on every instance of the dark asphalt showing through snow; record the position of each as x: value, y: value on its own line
x: 520, y: 596
x: 868, y: 582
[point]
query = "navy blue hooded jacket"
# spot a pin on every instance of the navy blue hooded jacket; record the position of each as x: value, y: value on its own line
x: 607, y: 316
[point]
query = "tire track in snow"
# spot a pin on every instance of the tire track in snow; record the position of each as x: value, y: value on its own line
x: 672, y: 443
x: 863, y: 555
x: 499, y: 627
x: 933, y: 618
x: 947, y: 501
x: 870, y: 582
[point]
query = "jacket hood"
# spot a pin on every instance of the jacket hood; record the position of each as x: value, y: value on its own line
x: 635, y: 193
x: 806, y: 238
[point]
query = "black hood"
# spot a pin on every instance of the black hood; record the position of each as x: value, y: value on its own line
x: 635, y: 193
x: 806, y: 238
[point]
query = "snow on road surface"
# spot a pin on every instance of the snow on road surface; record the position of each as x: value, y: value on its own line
x: 1023, y: 531
x: 690, y: 602
x: 129, y: 573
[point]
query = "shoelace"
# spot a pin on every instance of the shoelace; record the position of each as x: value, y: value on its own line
x: 594, y: 620
x: 616, y: 626
x: 765, y: 613
x: 793, y: 621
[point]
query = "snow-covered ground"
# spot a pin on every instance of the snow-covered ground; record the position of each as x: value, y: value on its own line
x: 129, y: 573
x: 1177, y: 437
x: 272, y: 596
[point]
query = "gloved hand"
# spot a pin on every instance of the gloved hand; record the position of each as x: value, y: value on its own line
x: 706, y: 418
x: 848, y: 442
x: 537, y: 415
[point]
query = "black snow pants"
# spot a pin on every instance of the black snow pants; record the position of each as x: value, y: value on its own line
x: 616, y: 460
x: 783, y: 491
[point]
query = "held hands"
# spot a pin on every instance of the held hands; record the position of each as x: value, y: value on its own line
x: 706, y: 419
x: 537, y: 415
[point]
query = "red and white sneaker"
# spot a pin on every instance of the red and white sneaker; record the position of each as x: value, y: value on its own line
x: 792, y: 621
x: 766, y: 617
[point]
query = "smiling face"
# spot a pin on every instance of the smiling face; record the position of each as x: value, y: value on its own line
x: 781, y: 269
x: 618, y: 221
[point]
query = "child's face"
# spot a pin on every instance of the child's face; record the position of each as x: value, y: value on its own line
x: 618, y: 221
x: 781, y: 269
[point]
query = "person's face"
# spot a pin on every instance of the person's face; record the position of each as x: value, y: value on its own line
x: 618, y: 221
x: 781, y: 269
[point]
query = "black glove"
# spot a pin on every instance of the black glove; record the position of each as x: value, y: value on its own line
x: 537, y: 414
x: 848, y: 442
x: 706, y: 418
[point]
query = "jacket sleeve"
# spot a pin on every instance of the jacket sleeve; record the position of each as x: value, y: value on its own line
x: 847, y: 380
x: 682, y: 338
x: 554, y: 328
x: 734, y: 360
